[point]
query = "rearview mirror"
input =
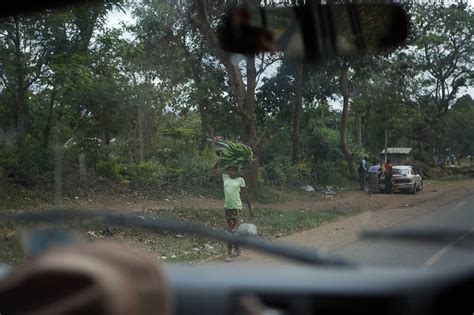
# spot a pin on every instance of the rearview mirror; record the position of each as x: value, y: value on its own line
x: 315, y: 32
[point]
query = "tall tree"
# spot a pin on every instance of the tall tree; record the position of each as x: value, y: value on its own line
x: 297, y: 112
x: 243, y: 92
x: 345, y: 92
x: 25, y: 60
x: 437, y: 63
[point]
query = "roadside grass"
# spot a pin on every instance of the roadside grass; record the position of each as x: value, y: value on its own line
x: 451, y: 178
x: 169, y: 247
x: 267, y: 195
x: 15, y: 197
x: 277, y: 223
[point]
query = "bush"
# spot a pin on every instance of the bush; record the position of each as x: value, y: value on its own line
x: 276, y: 171
x: 28, y: 163
x: 303, y: 170
x: 422, y: 156
x: 140, y: 171
x: 184, y: 172
x: 109, y: 169
x: 7, y: 161
x: 192, y: 172
x: 281, y: 171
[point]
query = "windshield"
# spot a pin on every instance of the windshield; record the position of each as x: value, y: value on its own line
x: 131, y: 106
x: 401, y: 171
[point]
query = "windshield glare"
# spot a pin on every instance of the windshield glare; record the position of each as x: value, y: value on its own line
x: 131, y: 106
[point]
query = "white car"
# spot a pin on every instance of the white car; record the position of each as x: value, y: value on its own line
x: 405, y: 178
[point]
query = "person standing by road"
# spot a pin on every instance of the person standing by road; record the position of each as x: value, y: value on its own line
x: 362, y: 171
x: 388, y: 176
x: 233, y: 185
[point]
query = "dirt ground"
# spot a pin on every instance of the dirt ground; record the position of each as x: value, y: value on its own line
x: 433, y: 191
x: 382, y: 211
x: 375, y: 211
x: 378, y: 211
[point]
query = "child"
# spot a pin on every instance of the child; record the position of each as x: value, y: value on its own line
x: 233, y: 184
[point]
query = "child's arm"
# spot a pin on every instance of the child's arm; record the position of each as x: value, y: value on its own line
x: 247, y: 201
x: 216, y: 170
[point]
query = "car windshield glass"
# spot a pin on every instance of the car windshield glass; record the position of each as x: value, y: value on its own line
x: 132, y: 106
x: 401, y: 171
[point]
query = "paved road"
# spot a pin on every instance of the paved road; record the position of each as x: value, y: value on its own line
x: 458, y: 214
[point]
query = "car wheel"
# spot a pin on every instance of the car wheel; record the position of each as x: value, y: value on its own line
x: 420, y: 188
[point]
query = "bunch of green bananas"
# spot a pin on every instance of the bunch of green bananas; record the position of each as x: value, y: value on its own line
x: 236, y: 154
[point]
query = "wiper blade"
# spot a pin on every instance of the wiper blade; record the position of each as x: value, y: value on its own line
x: 460, y: 237
x: 110, y: 218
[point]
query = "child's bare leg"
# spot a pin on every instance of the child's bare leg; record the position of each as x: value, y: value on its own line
x: 236, y: 252
x: 232, y: 221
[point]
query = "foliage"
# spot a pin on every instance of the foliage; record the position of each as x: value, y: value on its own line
x: 459, y: 126
x: 109, y: 169
x: 27, y: 164
x: 139, y: 101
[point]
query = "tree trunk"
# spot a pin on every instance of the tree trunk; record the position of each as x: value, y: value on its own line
x: 207, y: 130
x: 58, y: 175
x: 82, y: 167
x: 345, y: 113
x: 297, y: 113
x: 386, y: 145
x: 131, y: 136
x: 248, y: 126
x: 251, y: 176
x: 141, y: 132
x: 49, y: 121
x: 20, y: 111
x: 359, y: 129
x: 322, y: 114
x: 433, y: 152
x: 248, y: 123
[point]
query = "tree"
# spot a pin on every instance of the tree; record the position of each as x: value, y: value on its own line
x: 25, y: 56
x: 297, y: 112
x: 243, y: 94
x: 459, y: 127
x: 437, y: 63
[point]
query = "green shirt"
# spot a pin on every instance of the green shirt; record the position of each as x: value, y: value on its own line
x: 232, y: 191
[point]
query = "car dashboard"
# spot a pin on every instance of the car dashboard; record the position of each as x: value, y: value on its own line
x: 216, y: 289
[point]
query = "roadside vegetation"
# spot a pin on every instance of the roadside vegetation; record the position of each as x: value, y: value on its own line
x: 272, y: 223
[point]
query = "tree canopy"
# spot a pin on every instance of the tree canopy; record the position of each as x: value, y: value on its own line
x: 142, y: 102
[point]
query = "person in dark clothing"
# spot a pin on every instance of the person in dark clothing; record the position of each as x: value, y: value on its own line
x: 362, y: 171
x: 388, y: 176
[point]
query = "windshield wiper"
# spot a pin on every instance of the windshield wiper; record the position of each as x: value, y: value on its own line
x: 458, y: 237
x: 109, y: 218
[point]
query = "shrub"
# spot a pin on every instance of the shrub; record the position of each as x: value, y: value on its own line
x: 138, y: 171
x: 192, y: 172
x: 109, y: 169
x: 7, y: 161
x: 28, y: 163
x: 276, y: 171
